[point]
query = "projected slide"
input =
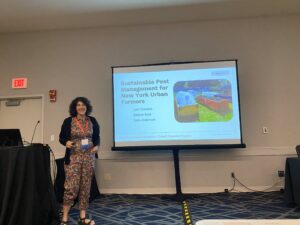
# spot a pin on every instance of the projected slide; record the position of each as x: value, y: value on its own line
x: 176, y: 104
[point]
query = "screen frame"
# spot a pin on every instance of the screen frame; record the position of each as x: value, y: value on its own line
x: 172, y: 147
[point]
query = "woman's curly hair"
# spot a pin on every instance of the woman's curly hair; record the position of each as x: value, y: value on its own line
x: 84, y: 100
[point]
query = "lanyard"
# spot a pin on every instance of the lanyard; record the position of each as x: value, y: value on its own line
x: 80, y: 126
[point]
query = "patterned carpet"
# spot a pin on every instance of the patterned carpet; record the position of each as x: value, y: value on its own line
x: 160, y: 210
x: 255, y: 205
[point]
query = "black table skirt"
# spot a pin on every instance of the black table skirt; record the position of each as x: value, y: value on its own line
x: 292, y: 181
x: 26, y: 191
x: 60, y: 179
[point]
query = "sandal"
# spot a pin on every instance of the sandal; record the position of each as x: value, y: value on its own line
x: 82, y: 221
x: 63, y: 222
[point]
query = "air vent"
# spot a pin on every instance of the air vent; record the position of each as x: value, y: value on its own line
x: 13, y: 102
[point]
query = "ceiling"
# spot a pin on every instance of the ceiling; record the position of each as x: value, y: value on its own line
x: 34, y: 15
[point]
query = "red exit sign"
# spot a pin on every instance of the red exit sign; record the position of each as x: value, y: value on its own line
x: 19, y: 83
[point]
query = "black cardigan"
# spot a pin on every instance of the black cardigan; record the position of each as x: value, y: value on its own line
x: 65, y: 135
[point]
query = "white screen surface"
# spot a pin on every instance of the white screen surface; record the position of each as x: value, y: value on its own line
x: 176, y: 104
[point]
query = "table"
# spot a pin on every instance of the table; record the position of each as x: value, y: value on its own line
x: 26, y: 191
x: 292, y: 181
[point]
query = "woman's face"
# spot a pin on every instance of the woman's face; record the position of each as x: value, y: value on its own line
x: 81, y: 108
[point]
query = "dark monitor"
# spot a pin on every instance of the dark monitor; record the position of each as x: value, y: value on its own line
x: 10, y: 137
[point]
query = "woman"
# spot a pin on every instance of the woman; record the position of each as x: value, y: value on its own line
x: 80, y: 134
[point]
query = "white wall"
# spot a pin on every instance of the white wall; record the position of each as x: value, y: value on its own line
x: 78, y: 63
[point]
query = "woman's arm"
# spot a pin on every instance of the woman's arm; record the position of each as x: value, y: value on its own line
x: 96, y: 132
x: 96, y: 136
x: 64, y: 136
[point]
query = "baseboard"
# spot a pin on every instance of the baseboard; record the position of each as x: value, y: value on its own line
x: 193, y: 190
x: 138, y: 191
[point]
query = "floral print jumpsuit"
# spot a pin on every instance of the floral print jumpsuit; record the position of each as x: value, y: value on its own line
x: 80, y: 171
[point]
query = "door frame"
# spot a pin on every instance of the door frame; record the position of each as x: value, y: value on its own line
x: 23, y: 97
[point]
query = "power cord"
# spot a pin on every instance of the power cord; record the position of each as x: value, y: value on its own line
x: 233, y: 186
x: 236, y: 180
x: 53, y: 164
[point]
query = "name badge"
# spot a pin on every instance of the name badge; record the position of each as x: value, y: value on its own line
x: 85, y: 144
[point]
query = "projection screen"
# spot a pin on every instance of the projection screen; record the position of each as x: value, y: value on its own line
x: 177, y: 105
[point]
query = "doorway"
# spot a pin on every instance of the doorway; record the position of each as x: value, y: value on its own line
x: 23, y: 112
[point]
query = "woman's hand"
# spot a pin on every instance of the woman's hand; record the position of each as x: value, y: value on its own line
x: 94, y: 149
x: 69, y: 144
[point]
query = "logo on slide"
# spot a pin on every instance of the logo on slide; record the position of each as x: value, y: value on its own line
x: 203, y: 101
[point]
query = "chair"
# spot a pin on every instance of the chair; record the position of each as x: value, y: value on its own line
x: 298, y: 150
